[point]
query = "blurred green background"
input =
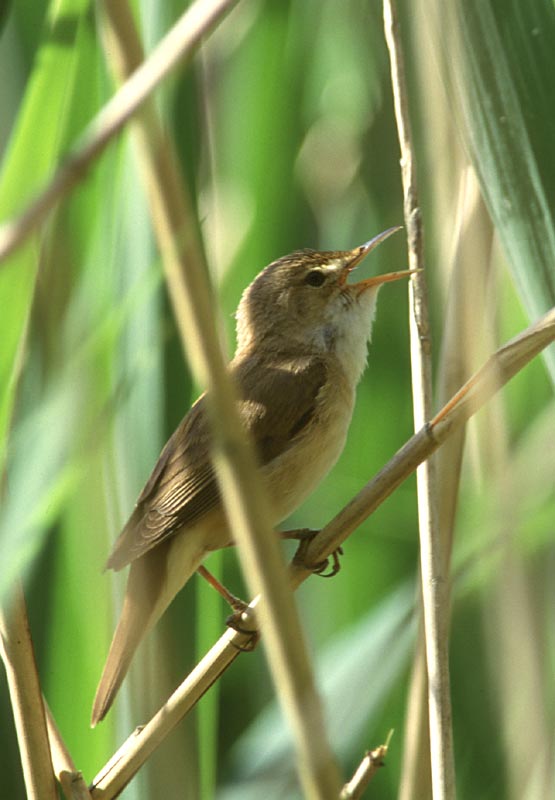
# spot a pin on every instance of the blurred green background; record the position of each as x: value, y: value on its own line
x: 285, y: 130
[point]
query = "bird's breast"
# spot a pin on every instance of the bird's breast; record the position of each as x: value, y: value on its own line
x: 293, y: 476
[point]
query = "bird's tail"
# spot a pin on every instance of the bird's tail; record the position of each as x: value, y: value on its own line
x: 152, y: 584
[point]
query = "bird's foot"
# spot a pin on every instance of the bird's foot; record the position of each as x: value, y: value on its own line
x: 299, y: 534
x: 235, y: 621
x: 305, y: 537
x: 239, y: 607
x: 236, y: 603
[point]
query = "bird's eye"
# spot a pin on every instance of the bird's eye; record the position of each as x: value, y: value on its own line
x: 315, y: 277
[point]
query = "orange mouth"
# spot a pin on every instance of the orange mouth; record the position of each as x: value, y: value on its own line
x: 377, y: 280
x: 361, y: 252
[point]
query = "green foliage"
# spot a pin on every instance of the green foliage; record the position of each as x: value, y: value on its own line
x: 503, y: 82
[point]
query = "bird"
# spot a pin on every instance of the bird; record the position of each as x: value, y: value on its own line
x: 302, y: 339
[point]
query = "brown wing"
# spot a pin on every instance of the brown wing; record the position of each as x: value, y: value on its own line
x: 278, y: 401
x: 276, y: 404
x: 181, y: 488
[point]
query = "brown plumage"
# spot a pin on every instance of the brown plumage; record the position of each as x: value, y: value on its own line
x: 302, y: 338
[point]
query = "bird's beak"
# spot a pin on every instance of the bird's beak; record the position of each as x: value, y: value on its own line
x: 359, y: 253
x: 362, y: 286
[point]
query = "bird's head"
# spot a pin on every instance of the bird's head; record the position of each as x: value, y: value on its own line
x: 303, y: 301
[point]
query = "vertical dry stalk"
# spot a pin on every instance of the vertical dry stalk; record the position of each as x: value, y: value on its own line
x: 28, y: 708
x: 464, y: 316
x: 435, y: 587
x: 234, y: 460
x: 462, y: 342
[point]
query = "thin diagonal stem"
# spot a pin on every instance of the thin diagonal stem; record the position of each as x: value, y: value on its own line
x: 497, y: 371
x: 178, y: 44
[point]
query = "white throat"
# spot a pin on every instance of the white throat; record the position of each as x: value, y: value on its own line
x: 353, y: 331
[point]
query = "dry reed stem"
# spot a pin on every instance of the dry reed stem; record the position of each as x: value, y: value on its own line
x: 233, y: 456
x: 370, y: 764
x: 415, y: 780
x: 179, y: 43
x: 26, y: 697
x: 498, y: 369
x: 70, y: 779
x: 462, y: 340
x: 433, y: 564
x: 121, y: 768
x: 464, y: 316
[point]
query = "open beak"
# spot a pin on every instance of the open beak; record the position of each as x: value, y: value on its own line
x: 362, y: 286
x: 359, y: 253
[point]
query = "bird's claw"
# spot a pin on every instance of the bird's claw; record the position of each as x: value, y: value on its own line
x: 319, y: 569
x: 305, y: 536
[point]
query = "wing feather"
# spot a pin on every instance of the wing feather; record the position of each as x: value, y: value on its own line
x: 277, y: 403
